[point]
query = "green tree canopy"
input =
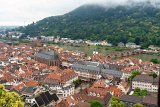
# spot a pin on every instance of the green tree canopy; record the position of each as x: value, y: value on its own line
x: 115, y: 102
x: 9, y: 99
x: 95, y: 103
x: 138, y: 105
x: 139, y: 92
x: 77, y: 82
x: 139, y: 24
x: 155, y: 61
x: 134, y: 73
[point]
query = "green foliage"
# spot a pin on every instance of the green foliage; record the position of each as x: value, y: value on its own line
x: 154, y: 75
x: 9, y: 99
x: 77, y: 82
x: 95, y: 103
x: 139, y: 24
x: 115, y: 102
x: 134, y: 73
x: 138, y: 105
x: 139, y: 92
x: 155, y: 61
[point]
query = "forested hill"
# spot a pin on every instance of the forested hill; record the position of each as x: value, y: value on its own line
x: 139, y: 24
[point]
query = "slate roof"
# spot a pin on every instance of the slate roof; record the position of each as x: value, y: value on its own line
x: 28, y: 90
x: 156, y: 81
x: 3, y: 81
x: 49, y: 55
x: 143, y: 78
x: 45, y: 98
x: 54, y: 96
x: 39, y: 101
x: 147, y: 100
x: 85, y: 68
x: 8, y: 87
x: 131, y: 99
x: 96, y: 67
x: 150, y: 100
x: 90, y: 63
x: 35, y: 105
x: 115, y: 73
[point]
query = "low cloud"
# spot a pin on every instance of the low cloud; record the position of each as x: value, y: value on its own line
x: 16, y: 12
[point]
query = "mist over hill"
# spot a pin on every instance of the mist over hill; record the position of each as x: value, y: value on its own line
x: 137, y: 22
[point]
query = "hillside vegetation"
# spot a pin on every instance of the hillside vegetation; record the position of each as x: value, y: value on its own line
x: 139, y: 24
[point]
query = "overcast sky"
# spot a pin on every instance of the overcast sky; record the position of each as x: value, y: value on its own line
x: 16, y: 12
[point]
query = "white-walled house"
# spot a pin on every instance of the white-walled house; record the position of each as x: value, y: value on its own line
x: 147, y: 82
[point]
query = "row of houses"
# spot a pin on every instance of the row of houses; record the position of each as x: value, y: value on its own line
x: 94, y: 70
x: 147, y: 82
x: 129, y: 45
x: 147, y: 101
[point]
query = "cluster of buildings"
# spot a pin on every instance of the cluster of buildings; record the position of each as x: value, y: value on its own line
x: 45, y: 76
x: 129, y: 45
x: 70, y: 41
x: 11, y: 34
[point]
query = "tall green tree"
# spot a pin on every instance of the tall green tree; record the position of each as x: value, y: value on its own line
x: 9, y: 99
x: 134, y: 73
x: 115, y: 102
x: 155, y: 61
x: 139, y: 92
x: 95, y: 103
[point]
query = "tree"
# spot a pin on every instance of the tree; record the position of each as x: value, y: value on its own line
x: 77, y: 82
x: 138, y: 105
x: 95, y: 103
x: 155, y: 61
x: 121, y: 25
x: 137, y: 40
x: 134, y: 73
x: 9, y: 99
x: 139, y: 92
x: 115, y: 102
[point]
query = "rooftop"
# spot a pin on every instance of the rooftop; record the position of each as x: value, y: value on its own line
x: 50, y: 55
x: 143, y: 78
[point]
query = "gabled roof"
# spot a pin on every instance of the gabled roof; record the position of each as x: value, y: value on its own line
x: 60, y: 76
x: 84, y: 68
x: 115, y: 73
x: 49, y: 96
x: 39, y: 101
x: 150, y: 100
x: 143, y: 78
x: 131, y: 99
x: 55, y: 97
x: 8, y: 87
x: 31, y: 83
x: 29, y: 90
x: 35, y: 105
x: 45, y: 98
x: 50, y: 55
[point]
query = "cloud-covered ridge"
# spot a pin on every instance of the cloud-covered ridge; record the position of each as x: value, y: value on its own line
x: 16, y: 12
x: 114, y: 3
